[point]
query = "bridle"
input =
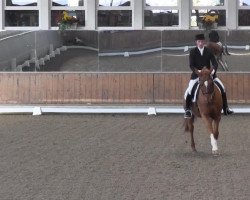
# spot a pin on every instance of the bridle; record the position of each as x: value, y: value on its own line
x: 207, y: 88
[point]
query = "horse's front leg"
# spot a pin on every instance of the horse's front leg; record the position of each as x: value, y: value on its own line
x: 209, y: 124
x: 214, y: 136
x: 216, y: 127
x: 214, y: 144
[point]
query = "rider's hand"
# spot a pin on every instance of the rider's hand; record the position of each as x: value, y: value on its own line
x: 212, y: 73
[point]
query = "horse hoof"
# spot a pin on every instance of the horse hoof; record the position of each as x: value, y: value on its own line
x: 215, y: 152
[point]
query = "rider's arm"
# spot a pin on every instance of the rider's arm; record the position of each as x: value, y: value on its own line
x: 192, y: 60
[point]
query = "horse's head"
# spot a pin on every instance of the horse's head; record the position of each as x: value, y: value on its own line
x: 206, y: 82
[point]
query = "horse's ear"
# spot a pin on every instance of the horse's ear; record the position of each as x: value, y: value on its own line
x: 197, y: 71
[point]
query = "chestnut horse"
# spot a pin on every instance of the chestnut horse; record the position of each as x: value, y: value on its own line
x: 218, y: 51
x: 208, y: 106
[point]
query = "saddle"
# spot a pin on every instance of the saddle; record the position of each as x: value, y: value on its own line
x: 194, y: 92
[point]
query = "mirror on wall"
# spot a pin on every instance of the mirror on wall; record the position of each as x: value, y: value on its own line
x: 130, y: 51
x: 114, y: 50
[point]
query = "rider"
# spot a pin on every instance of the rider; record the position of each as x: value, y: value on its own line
x: 214, y: 37
x: 199, y: 57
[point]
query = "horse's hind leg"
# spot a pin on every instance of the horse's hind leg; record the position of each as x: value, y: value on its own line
x: 190, y: 124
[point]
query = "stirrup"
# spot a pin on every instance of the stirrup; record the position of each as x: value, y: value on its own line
x: 188, y: 114
x: 228, y: 111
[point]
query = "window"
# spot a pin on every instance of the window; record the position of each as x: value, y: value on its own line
x: 202, y: 7
x: 208, y: 2
x: 78, y: 14
x: 67, y: 2
x: 244, y: 2
x: 21, y: 2
x: 22, y: 13
x: 161, y: 3
x: 114, y: 3
x: 161, y: 13
x: 74, y: 8
x: 244, y: 13
x: 114, y: 13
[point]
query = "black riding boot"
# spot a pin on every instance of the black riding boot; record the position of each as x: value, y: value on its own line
x: 188, y: 112
x: 226, y: 109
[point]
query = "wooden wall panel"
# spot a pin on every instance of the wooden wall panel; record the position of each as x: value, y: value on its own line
x: 86, y: 87
x: 246, y: 86
x: 159, y: 88
x: 6, y: 87
x: 109, y: 88
x: 127, y: 87
x: 53, y: 98
x: 121, y: 88
x: 240, y: 83
x: 150, y: 88
x: 94, y: 88
x: 24, y: 88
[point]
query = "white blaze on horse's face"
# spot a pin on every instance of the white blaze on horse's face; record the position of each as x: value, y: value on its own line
x: 206, y: 83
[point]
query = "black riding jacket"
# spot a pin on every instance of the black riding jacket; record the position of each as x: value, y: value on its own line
x: 198, y: 61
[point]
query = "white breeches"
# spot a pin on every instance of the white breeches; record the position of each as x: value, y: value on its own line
x: 190, y: 87
x: 219, y: 81
x: 193, y: 81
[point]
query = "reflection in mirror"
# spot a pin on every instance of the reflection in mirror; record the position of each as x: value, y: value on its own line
x: 21, y: 2
x: 175, y: 54
x: 161, y: 18
x: 76, y: 51
x: 16, y: 50
x: 237, y: 43
x: 176, y: 46
x: 161, y: 3
x: 208, y: 2
x: 130, y: 51
x: 67, y: 2
x: 114, y: 18
x: 21, y: 18
x: 115, y: 51
x: 114, y: 2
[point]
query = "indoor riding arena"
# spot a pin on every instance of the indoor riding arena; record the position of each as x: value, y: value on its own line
x: 92, y: 95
